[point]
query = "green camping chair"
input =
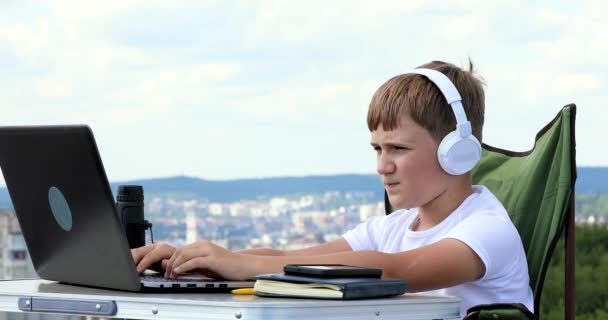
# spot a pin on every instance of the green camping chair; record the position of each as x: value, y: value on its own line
x: 537, y: 189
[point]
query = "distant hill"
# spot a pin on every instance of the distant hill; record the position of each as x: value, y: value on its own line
x: 233, y: 190
x: 590, y: 180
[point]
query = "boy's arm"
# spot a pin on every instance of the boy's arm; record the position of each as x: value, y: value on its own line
x: 262, y: 252
x: 338, y: 245
x: 440, y: 265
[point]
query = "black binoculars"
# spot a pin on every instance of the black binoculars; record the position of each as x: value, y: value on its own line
x: 130, y: 208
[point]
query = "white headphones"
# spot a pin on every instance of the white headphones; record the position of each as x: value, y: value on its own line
x: 459, y: 150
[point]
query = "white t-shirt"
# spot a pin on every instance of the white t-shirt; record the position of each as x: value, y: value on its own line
x: 483, y: 224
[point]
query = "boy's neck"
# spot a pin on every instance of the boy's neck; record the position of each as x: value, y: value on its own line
x: 432, y: 213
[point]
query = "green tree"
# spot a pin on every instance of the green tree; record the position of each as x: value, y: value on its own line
x: 591, y: 277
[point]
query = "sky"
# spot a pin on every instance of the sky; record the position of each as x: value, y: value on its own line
x: 249, y: 89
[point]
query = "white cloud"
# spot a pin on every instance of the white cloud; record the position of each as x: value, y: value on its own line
x: 460, y: 28
x: 572, y: 84
x: 247, y: 71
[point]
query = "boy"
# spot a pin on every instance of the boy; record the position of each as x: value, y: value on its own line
x: 454, y: 238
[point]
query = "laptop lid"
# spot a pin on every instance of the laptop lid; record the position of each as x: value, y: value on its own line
x: 65, y: 206
x: 67, y: 212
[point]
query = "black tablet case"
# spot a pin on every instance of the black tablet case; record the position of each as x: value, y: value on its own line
x: 353, y: 288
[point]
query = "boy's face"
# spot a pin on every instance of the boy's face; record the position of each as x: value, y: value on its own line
x: 408, y: 165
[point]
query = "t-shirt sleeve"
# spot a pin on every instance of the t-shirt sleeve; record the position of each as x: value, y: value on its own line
x: 493, y: 238
x: 364, y: 236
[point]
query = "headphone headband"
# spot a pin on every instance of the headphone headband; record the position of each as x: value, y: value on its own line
x: 449, y: 91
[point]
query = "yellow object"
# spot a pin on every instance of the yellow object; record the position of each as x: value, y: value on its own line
x: 243, y: 291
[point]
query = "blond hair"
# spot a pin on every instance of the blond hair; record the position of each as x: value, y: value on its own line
x: 418, y: 97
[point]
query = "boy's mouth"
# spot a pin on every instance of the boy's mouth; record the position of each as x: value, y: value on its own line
x: 389, y: 186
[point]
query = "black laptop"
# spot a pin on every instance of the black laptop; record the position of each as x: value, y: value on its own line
x: 67, y: 213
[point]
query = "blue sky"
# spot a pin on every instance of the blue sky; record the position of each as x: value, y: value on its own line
x: 227, y: 89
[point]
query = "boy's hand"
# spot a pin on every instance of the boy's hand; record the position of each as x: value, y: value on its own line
x: 207, y: 258
x: 153, y: 256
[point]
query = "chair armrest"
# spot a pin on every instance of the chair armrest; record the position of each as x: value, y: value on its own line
x: 500, y: 311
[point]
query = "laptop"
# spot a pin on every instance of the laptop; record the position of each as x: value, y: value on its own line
x: 67, y: 212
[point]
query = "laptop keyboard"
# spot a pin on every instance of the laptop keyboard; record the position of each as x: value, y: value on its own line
x: 184, y: 278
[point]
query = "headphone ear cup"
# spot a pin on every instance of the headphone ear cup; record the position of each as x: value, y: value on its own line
x: 458, y: 155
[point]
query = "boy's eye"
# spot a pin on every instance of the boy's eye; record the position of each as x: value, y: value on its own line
x: 379, y: 149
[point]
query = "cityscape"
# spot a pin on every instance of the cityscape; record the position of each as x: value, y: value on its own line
x: 290, y: 222
x: 286, y: 222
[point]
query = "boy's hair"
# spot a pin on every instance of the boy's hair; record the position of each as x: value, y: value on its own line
x: 418, y: 97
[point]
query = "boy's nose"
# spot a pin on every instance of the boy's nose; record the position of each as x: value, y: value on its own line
x: 385, y: 166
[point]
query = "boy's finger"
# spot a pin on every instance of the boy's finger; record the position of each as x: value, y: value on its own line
x: 144, y: 264
x: 187, y: 254
x: 149, y: 259
x: 174, y: 256
x: 177, y: 263
x: 189, y: 265
x: 177, y: 260
x: 139, y: 253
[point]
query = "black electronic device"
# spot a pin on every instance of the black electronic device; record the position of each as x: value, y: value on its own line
x: 332, y: 270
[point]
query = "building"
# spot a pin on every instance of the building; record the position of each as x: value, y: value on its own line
x: 15, y: 260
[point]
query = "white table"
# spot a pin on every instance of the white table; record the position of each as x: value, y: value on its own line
x: 128, y: 305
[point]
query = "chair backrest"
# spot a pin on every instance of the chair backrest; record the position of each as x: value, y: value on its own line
x: 537, y: 189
